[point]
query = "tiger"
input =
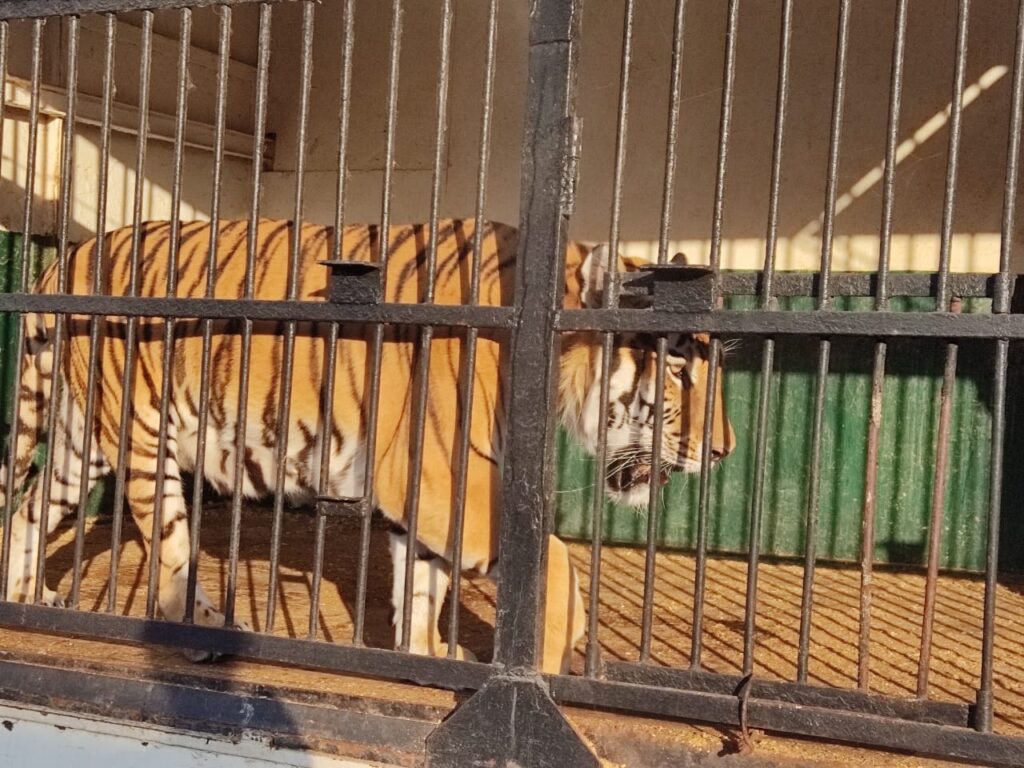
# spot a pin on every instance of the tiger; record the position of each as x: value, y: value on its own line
x: 630, y: 412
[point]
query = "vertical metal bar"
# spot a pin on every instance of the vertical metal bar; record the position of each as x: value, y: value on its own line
x: 287, y: 360
x: 953, y: 156
x: 824, y: 290
x: 609, y: 298
x: 344, y: 113
x: 181, y: 115
x: 867, y: 536
x: 8, y: 506
x: 781, y: 97
x: 344, y: 109
x: 377, y: 342
x: 757, y: 505
x: 715, y: 351
x: 223, y: 60
x: 653, y: 506
x: 327, y: 418
x: 983, y: 710
x: 768, y: 348
x: 667, y: 198
x: 426, y: 332
x: 94, y: 322
x: 878, y: 366
x: 703, y: 507
x: 63, y: 217
x: 145, y: 68
x: 724, y: 127
x: 241, y: 417
x: 813, y: 506
x: 892, y: 139
x: 33, y: 147
x: 468, y: 368
x: 832, y: 182
x: 156, y: 538
x: 527, y: 480
x: 938, y: 507
x: 26, y: 258
x: 1001, y: 305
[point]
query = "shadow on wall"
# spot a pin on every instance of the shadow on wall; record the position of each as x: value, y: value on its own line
x: 923, y: 133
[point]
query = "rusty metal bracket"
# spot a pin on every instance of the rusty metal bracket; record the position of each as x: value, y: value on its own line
x: 669, y: 287
x: 353, y: 282
x: 329, y: 506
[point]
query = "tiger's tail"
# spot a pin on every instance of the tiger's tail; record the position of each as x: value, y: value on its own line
x: 34, y: 389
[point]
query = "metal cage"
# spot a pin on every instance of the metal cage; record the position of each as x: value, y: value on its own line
x: 510, y: 697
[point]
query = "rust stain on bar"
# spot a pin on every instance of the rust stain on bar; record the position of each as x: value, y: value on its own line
x: 938, y: 506
x: 868, y: 517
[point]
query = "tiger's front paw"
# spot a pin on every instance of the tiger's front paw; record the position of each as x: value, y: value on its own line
x: 51, y: 599
x: 212, y: 618
x: 25, y: 593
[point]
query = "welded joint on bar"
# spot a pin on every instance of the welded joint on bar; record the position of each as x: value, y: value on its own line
x: 981, y: 712
x: 348, y: 507
x: 353, y: 282
x: 669, y: 287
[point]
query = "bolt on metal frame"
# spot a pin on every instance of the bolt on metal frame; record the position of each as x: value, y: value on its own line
x: 485, y: 725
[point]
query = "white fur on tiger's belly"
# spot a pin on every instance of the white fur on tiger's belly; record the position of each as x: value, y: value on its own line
x: 259, y: 470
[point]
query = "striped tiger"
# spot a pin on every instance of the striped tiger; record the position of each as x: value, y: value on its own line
x: 630, y: 415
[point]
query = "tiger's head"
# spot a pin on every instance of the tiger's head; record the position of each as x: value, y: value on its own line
x: 632, y: 391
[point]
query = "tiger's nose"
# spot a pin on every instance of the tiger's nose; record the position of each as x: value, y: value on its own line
x: 717, y: 454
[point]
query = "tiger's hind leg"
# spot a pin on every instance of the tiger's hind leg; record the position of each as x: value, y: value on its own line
x: 64, y: 496
x: 430, y: 586
x: 564, y: 616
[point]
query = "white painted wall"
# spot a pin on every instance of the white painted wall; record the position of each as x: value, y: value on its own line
x: 46, y: 738
x: 923, y: 132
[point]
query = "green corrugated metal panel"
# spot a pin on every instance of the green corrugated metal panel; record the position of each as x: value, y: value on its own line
x: 42, y: 253
x: 906, y: 463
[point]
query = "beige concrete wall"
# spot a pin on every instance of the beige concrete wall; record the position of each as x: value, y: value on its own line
x: 923, y: 131
x: 157, y: 181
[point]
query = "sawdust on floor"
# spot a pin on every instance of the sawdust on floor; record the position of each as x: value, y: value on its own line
x: 895, y: 622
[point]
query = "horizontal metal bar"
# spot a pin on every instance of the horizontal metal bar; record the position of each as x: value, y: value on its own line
x: 375, y: 662
x: 815, y: 323
x: 38, y: 9
x: 261, y: 309
x: 817, y: 722
x: 191, y: 704
x: 734, y: 283
x: 857, y: 284
x: 198, y: 676
x: 937, y: 712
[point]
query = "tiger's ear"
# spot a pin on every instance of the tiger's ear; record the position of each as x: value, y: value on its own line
x: 594, y: 273
x: 680, y: 259
x: 594, y: 276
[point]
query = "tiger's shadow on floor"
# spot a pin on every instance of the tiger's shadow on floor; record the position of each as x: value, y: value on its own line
x: 339, y: 586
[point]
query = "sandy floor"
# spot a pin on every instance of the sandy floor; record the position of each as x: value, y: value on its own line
x: 895, y: 631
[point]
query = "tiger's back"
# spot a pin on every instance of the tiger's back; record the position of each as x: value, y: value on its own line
x: 405, y: 282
